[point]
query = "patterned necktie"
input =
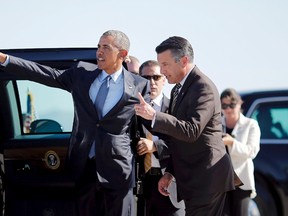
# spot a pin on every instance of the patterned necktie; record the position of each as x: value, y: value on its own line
x: 147, y: 158
x: 175, y: 93
x: 101, y: 96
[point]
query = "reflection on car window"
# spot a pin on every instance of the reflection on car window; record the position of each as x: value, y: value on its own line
x: 273, y: 121
x: 50, y: 109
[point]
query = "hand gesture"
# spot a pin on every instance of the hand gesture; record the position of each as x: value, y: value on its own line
x: 144, y: 109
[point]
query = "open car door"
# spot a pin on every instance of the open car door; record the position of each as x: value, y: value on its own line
x: 34, y: 136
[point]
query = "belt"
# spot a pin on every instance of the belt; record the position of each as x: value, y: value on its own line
x: 154, y: 171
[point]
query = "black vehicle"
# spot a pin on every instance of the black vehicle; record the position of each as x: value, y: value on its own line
x: 33, y: 149
x: 270, y: 109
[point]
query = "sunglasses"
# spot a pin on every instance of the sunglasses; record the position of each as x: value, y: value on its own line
x: 154, y: 77
x: 231, y: 105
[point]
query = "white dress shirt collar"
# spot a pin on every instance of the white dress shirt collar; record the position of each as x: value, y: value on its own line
x: 114, y: 76
x: 184, y: 79
x: 158, y: 100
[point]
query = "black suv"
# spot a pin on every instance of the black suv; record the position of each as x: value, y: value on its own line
x: 270, y: 109
x: 35, y: 126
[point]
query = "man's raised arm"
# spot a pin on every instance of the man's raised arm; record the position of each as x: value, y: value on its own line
x: 3, y: 58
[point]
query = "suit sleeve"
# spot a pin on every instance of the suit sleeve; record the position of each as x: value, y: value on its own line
x: 195, y: 113
x: 24, y: 69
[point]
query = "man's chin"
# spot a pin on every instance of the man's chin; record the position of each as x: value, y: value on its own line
x: 153, y: 95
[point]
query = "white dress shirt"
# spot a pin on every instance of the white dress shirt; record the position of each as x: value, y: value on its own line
x: 116, y: 89
x: 157, y: 103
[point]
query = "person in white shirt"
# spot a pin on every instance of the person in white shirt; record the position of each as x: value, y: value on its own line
x: 242, y: 140
x: 156, y: 203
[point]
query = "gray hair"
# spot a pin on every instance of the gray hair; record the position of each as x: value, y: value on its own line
x: 121, y: 40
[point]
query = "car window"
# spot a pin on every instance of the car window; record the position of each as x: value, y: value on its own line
x: 273, y: 120
x: 45, y: 109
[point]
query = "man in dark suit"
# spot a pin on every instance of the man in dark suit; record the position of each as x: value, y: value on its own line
x: 199, y: 161
x: 156, y: 204
x: 99, y: 154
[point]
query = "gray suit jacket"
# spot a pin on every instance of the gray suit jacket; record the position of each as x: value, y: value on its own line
x: 114, y: 157
x: 194, y: 135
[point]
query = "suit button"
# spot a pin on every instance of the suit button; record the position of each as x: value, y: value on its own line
x: 97, y: 125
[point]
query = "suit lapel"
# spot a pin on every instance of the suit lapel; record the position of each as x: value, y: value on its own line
x: 239, y: 125
x: 85, y: 88
x: 129, y: 88
x: 183, y: 91
x: 165, y: 104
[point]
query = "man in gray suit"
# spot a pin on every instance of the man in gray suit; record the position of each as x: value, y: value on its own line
x: 199, y: 161
x: 156, y: 204
x: 99, y: 154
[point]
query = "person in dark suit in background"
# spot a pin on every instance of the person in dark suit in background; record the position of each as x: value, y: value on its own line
x: 199, y: 161
x: 99, y: 155
x: 156, y: 203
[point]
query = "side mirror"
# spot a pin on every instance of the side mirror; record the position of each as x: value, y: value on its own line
x: 45, y: 126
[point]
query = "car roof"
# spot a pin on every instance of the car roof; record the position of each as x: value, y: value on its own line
x: 250, y: 97
x: 51, y: 56
x: 264, y: 93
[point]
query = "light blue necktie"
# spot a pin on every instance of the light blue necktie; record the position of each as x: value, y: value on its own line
x: 99, y: 104
x: 101, y: 96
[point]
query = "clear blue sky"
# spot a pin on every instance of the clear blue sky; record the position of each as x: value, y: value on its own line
x: 241, y: 44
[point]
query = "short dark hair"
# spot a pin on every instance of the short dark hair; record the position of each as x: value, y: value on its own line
x: 149, y: 63
x: 232, y: 94
x: 178, y: 46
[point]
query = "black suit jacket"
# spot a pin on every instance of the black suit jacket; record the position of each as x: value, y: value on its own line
x: 194, y: 134
x: 114, y: 156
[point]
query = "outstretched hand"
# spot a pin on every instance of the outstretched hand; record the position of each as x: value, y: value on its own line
x: 2, y: 58
x: 144, y: 109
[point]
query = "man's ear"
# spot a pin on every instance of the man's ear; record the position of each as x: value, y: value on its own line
x: 123, y: 54
x: 184, y: 61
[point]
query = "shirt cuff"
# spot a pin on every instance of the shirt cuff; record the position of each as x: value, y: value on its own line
x: 172, y: 177
x: 7, y: 61
x: 153, y: 120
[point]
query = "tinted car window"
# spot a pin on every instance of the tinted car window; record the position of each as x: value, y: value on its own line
x: 273, y: 120
x: 49, y: 108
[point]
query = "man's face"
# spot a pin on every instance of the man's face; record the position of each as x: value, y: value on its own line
x: 172, y: 70
x: 157, y: 80
x: 109, y: 57
x: 231, y: 110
